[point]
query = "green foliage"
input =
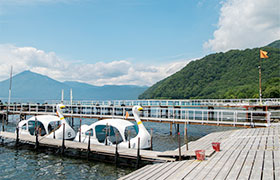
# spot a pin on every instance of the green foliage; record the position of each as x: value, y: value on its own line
x: 233, y: 74
x: 275, y: 44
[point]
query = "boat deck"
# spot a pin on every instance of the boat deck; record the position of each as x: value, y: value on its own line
x: 245, y: 154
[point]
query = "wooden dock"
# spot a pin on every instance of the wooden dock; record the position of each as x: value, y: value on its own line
x: 146, y: 156
x: 245, y: 154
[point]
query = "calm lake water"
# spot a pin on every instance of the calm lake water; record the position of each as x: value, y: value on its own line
x: 25, y: 163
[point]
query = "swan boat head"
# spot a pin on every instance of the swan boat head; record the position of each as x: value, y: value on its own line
x: 104, y: 132
x: 48, y: 125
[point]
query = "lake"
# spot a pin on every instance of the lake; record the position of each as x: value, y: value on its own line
x: 25, y: 163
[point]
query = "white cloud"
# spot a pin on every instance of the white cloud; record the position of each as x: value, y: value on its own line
x: 246, y: 24
x: 121, y: 72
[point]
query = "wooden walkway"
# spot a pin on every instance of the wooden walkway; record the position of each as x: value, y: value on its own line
x: 245, y: 154
x: 125, y: 153
x: 202, y: 143
x: 175, y: 114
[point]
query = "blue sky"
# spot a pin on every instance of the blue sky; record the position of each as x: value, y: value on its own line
x: 148, y: 38
x: 107, y: 30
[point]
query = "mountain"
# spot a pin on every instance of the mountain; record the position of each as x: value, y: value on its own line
x: 30, y: 85
x: 233, y: 74
x: 275, y: 44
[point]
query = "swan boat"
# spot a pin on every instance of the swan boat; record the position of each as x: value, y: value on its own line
x: 116, y: 131
x: 49, y: 126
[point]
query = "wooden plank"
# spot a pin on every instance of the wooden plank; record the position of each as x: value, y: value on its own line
x: 168, y: 172
x: 181, y: 172
x: 270, y: 144
x: 228, y: 146
x: 219, y: 165
x: 276, y: 141
x: 205, y: 142
x: 256, y: 172
x: 155, y: 171
x: 247, y: 166
x: 268, y: 166
x: 223, y: 167
x: 211, y: 166
x: 143, y: 172
x: 222, y: 174
x: 188, y: 169
x: 137, y: 172
x: 276, y: 155
x: 233, y: 174
x: 262, y: 145
x: 107, y: 150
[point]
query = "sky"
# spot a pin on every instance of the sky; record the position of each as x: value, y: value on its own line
x: 127, y: 42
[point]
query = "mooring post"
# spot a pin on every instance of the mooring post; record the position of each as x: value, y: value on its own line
x: 129, y: 139
x: 17, y: 133
x: 36, y: 134
x: 178, y: 128
x: 170, y: 131
x: 54, y: 134
x: 3, y: 125
x: 72, y: 122
x: 138, y: 154
x: 88, y: 150
x: 63, y: 140
x: 151, y: 148
x: 7, y: 117
x: 3, y: 129
x: 186, y: 139
x: 116, y: 152
x: 80, y: 130
x: 106, y: 135
x: 179, y: 144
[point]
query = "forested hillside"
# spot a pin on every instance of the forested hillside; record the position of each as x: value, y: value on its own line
x: 233, y: 74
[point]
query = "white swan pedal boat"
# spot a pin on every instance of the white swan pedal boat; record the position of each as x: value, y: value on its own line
x: 49, y: 126
x: 116, y: 131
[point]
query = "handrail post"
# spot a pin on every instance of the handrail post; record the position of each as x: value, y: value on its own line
x: 268, y: 118
x: 252, y: 121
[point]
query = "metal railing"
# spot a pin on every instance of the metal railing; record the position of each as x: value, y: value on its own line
x: 171, y: 114
x: 189, y: 102
x: 157, y: 102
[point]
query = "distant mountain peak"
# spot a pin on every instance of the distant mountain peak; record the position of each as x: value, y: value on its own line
x: 31, y: 85
x: 30, y: 73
